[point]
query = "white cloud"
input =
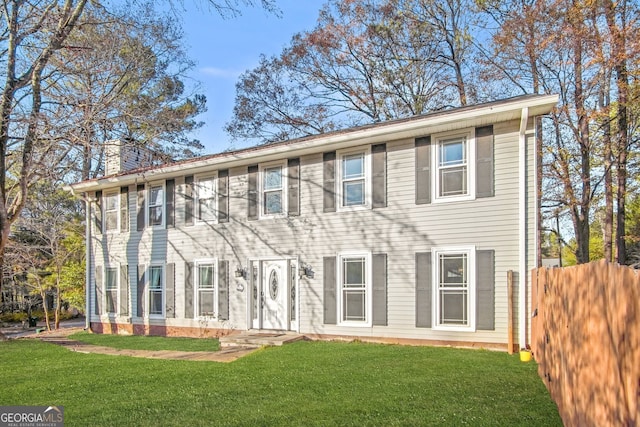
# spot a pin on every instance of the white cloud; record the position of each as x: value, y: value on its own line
x: 220, y: 72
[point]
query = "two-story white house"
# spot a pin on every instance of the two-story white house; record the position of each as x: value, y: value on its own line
x: 402, y: 231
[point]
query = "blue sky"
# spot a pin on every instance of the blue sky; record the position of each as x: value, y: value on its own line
x: 225, y: 48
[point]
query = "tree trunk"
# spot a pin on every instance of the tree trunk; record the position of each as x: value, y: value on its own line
x: 58, y: 302
x: 607, y: 220
x: 43, y: 294
x: 582, y: 211
x: 621, y: 244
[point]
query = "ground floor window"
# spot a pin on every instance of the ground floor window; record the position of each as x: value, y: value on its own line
x: 205, y: 289
x: 156, y: 290
x: 454, y: 274
x: 354, y: 289
x: 111, y: 288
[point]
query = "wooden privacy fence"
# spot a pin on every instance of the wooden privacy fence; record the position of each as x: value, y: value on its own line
x: 585, y: 336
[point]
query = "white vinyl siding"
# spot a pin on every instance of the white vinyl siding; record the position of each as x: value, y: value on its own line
x: 486, y: 223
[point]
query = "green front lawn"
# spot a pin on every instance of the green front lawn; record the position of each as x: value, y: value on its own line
x: 142, y: 342
x: 304, y: 383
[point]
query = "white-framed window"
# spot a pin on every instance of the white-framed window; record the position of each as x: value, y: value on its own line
x: 454, y: 273
x: 155, y: 291
x: 273, y: 189
x: 205, y: 289
x: 111, y: 203
x: 354, y: 289
x: 155, y: 205
x: 354, y: 187
x: 454, y: 160
x: 111, y: 289
x: 206, y: 210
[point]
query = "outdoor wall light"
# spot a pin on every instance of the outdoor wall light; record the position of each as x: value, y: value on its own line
x: 241, y: 272
x: 305, y: 270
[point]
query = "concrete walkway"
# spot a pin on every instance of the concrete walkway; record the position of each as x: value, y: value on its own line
x: 61, y: 337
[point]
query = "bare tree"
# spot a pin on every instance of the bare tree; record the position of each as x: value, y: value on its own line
x: 32, y: 34
x: 365, y: 61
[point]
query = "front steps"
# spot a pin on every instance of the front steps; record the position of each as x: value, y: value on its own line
x: 257, y: 339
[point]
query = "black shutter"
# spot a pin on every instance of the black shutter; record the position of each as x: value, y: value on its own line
x: 423, y: 170
x: 252, y: 196
x: 484, y: 162
x: 485, y: 290
x: 223, y: 290
x: 424, y: 294
x: 140, y: 214
x: 124, y: 290
x: 170, y: 293
x: 379, y: 269
x: 330, y: 294
x: 223, y: 195
x: 379, y: 175
x: 293, y: 182
x: 124, y: 209
x: 99, y: 291
x: 329, y: 182
x: 188, y: 200
x: 188, y: 290
x: 140, y: 290
x: 97, y: 215
x: 171, y: 206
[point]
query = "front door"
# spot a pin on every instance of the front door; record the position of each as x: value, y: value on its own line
x: 274, y: 295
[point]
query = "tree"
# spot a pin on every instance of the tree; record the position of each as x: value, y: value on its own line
x: 364, y: 62
x: 48, y: 238
x: 271, y: 106
x: 32, y: 35
x: 573, y: 49
x: 121, y: 77
x: 34, y: 32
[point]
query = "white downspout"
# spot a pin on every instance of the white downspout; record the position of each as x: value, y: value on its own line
x: 522, y: 229
x: 87, y: 203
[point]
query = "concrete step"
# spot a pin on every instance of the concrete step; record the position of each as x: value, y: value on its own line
x: 259, y: 339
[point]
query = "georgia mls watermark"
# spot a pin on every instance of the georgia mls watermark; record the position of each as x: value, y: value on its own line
x: 31, y: 416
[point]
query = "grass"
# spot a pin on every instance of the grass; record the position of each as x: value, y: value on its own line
x: 142, y: 342
x: 299, y: 384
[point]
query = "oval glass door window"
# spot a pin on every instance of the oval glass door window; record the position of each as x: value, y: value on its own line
x: 274, y: 285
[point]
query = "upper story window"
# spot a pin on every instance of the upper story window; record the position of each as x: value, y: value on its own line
x: 355, y: 181
x: 111, y: 211
x: 206, y: 199
x: 156, y: 205
x: 454, y: 166
x: 273, y: 189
